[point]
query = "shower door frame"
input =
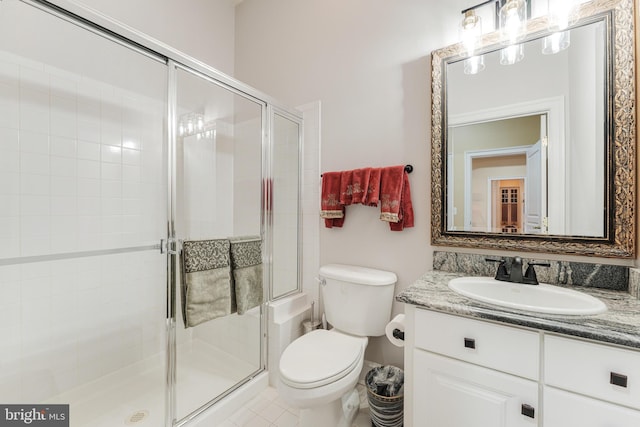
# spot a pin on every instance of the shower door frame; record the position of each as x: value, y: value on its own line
x: 173, y: 59
x: 173, y: 245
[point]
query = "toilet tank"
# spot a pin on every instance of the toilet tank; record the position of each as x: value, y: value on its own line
x: 357, y: 300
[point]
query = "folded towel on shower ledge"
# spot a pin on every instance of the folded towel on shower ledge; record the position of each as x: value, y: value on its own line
x: 246, y: 263
x: 206, y: 281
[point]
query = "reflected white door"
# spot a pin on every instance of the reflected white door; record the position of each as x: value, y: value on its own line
x: 535, y: 190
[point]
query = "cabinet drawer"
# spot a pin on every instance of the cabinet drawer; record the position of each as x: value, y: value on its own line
x: 608, y: 373
x: 562, y: 409
x: 449, y: 392
x: 503, y: 348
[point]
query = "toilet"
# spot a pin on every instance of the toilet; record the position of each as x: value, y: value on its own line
x: 319, y: 371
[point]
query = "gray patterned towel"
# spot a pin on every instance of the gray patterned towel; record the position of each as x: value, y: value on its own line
x: 246, y: 263
x: 206, y: 281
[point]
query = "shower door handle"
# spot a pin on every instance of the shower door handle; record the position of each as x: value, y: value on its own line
x: 169, y: 246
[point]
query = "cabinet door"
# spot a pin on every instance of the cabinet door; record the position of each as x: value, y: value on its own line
x: 562, y: 409
x: 450, y: 393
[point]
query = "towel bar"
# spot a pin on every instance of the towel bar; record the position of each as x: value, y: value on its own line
x: 407, y: 169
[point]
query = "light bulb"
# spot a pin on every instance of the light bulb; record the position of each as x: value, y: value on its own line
x: 562, y: 14
x: 512, y: 54
x: 474, y: 65
x: 513, y: 21
x: 556, y: 42
x: 470, y: 32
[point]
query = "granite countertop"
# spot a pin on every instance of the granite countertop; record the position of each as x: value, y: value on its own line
x: 620, y: 324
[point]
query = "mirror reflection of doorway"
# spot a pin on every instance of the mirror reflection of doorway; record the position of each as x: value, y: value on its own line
x: 508, y: 148
x: 507, y: 205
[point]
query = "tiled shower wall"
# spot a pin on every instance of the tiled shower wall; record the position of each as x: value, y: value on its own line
x: 81, y: 163
x: 81, y: 169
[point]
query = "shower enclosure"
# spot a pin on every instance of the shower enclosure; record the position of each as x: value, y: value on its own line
x: 112, y: 153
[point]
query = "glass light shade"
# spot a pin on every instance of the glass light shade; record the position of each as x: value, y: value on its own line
x: 562, y: 14
x: 470, y: 32
x: 474, y: 65
x: 512, y: 54
x: 513, y: 21
x: 556, y: 42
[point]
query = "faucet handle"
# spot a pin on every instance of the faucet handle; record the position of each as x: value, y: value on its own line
x: 501, y: 273
x: 530, y: 276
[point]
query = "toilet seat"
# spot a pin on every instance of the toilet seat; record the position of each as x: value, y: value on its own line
x: 319, y: 358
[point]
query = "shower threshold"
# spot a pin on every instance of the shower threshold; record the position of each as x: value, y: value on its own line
x: 135, y: 395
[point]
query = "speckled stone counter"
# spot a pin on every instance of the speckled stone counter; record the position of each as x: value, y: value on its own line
x: 620, y: 324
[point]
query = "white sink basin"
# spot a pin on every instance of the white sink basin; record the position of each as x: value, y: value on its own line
x: 540, y: 298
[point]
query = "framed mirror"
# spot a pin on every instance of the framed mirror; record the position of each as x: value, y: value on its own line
x: 538, y: 154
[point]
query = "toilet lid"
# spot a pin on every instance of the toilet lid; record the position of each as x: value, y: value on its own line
x: 320, y: 357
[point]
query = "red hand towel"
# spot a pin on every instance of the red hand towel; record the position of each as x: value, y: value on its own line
x: 360, y: 185
x: 346, y: 187
x: 391, y: 183
x: 373, y: 190
x: 406, y: 208
x: 395, y: 197
x: 330, y: 207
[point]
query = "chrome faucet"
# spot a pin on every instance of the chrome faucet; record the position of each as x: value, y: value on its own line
x: 512, y: 271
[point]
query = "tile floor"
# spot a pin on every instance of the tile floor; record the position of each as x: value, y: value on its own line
x: 268, y: 410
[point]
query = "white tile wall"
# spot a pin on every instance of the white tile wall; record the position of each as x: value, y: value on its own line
x: 75, y: 157
x: 80, y: 169
x: 311, y: 201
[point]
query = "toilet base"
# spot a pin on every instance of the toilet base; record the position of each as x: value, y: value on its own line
x: 340, y: 412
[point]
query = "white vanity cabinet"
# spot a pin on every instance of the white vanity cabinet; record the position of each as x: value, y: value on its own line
x: 463, y: 372
x: 470, y: 373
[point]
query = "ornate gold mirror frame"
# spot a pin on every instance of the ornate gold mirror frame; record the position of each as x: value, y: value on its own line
x: 619, y: 241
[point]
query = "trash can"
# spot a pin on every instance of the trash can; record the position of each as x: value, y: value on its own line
x: 385, y: 392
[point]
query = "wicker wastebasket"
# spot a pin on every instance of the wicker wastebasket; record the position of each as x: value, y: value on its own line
x: 385, y: 386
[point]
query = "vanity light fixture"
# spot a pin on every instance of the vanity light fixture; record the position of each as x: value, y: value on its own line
x: 513, y: 21
x: 470, y: 31
x: 193, y: 124
x: 474, y: 65
x: 511, y: 54
x: 562, y: 14
x: 556, y: 42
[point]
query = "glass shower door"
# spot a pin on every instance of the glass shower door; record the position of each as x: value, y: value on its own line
x: 286, y: 131
x: 218, y: 198
x: 82, y: 208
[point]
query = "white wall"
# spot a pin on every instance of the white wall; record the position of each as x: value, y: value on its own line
x: 203, y: 29
x: 369, y: 64
x: 586, y: 133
